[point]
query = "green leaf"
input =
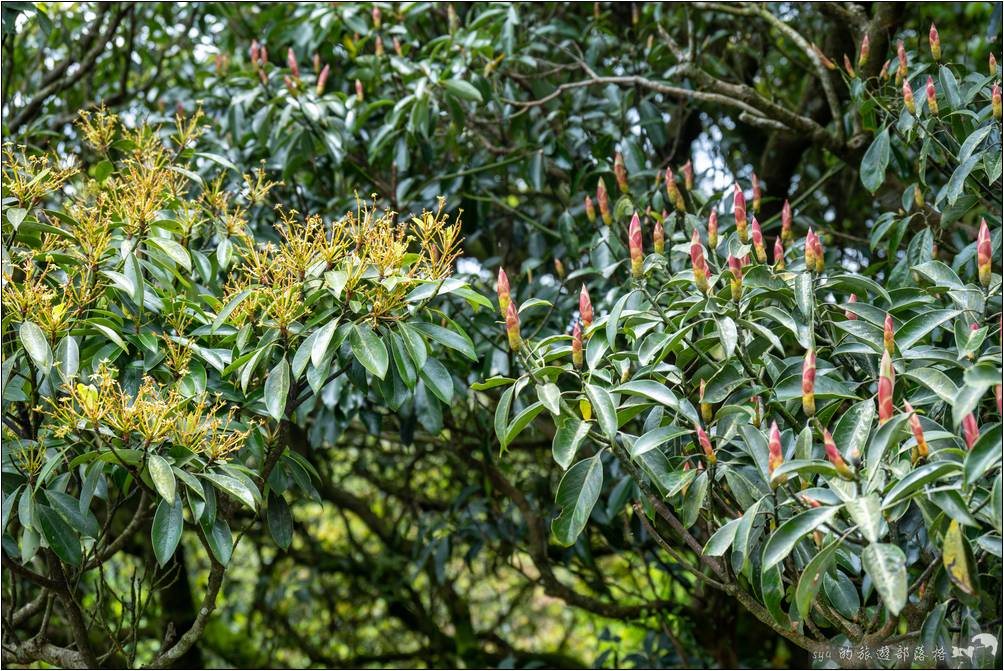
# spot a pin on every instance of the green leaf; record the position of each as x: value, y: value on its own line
x: 437, y: 379
x: 36, y: 345
x: 957, y: 181
x: 67, y: 358
x: 613, y: 319
x: 866, y: 511
x: 174, y: 251
x: 369, y: 350
x: 693, y: 500
x: 570, y: 434
x: 219, y: 539
x: 812, y: 578
x: 886, y: 565
x: 916, y: 479
x: 280, y: 522
x: 936, y: 381
x: 722, y: 539
x: 234, y: 487
x: 58, y: 534
x: 784, y: 539
x: 985, y: 455
x: 165, y: 533
x: 956, y: 557
x: 854, y: 427
x: 912, y: 331
x: 521, y: 421
x: 228, y: 309
x: 277, y: 389
x: 550, y: 396
x: 162, y: 476
x: 458, y: 88
x: 804, y: 296
x: 875, y: 161
x: 603, y: 407
x: 578, y: 492
x: 444, y: 336
x: 321, y: 341
x: 656, y: 438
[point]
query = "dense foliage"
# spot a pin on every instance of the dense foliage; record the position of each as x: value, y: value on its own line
x: 254, y: 416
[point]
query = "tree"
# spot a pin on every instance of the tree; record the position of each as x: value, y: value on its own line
x: 513, y: 114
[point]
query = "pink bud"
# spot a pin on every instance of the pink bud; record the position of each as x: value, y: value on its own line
x: 908, y: 97
x: 847, y: 313
x: 834, y: 456
x: 776, y: 456
x: 503, y: 292
x: 634, y: 246
x: 756, y: 193
x: 577, y: 357
x: 378, y: 47
x: 932, y: 96
x: 888, y: 335
x: 376, y: 17
x: 603, y: 202
x: 786, y: 220
x: 995, y: 100
x: 970, y: 430
x: 658, y: 237
x: 255, y: 52
x: 885, y: 388
x: 809, y: 383
x: 709, y: 451
x: 903, y: 64
x: 810, y: 251
x: 935, y: 41
x: 291, y: 61
x: 585, y: 307
x: 620, y: 173
x: 512, y: 328
x: 688, y: 176
x: 917, y: 431
x: 778, y: 253
x: 849, y: 68
x: 992, y: 65
x: 737, y: 278
x: 713, y: 230
x: 758, y: 247
x: 739, y: 203
x: 697, y: 262
x: 865, y: 50
x: 322, y: 79
x: 590, y: 210
x: 984, y: 250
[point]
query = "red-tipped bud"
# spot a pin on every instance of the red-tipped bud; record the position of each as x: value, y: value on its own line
x: 503, y: 292
x: 512, y: 328
x: 709, y: 451
x: 577, y: 357
x: 290, y: 85
x: 810, y: 251
x: 984, y: 251
x: 935, y: 41
x: 903, y: 64
x: 999, y: 396
x: 590, y: 210
x: 603, y: 201
x: 620, y: 173
x: 735, y: 267
x: 698, y: 264
x: 396, y: 43
x: 585, y: 308
x: 921, y: 451
x: 294, y: 67
x: 886, y: 383
x: 378, y: 47
x: 688, y: 176
x: 884, y: 72
x: 713, y: 230
x: 672, y: 192
x: 739, y: 204
x: 559, y: 268
x: 634, y: 246
x: 778, y: 253
x: 849, y: 68
x: 834, y: 456
x: 317, y: 63
x: 758, y: 247
x: 809, y: 383
x: 376, y: 18
x: 786, y: 220
x: 322, y: 79
x: 908, y: 97
x: 847, y: 313
x: 889, y: 335
x: 970, y: 430
x: 826, y: 62
x: 707, y: 412
x: 865, y: 50
x: 995, y: 100
x: 776, y: 455
x: 757, y: 194
x: 255, y: 53
x: 992, y: 65
x: 932, y: 96
x: 818, y: 254
x: 658, y: 237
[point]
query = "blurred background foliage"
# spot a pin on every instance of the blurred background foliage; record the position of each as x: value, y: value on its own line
x: 422, y: 546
